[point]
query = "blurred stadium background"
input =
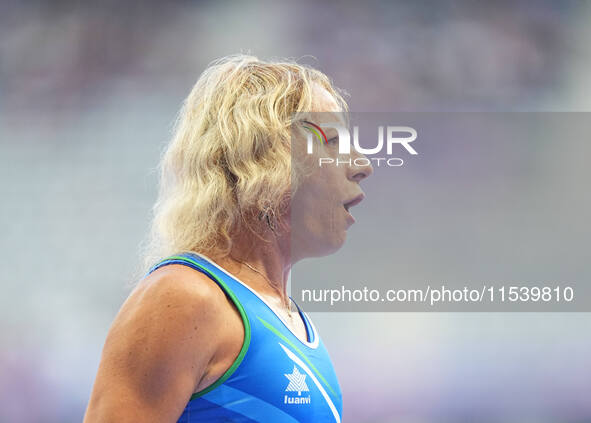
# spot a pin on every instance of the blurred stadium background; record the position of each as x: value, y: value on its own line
x: 88, y: 95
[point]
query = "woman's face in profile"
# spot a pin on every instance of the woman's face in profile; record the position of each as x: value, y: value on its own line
x: 320, y: 208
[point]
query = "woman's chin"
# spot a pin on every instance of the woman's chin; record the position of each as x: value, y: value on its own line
x: 325, y: 246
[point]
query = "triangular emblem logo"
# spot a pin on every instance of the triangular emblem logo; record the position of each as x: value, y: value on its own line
x: 297, y: 382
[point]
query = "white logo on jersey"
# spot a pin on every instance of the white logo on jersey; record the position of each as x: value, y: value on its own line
x: 297, y: 383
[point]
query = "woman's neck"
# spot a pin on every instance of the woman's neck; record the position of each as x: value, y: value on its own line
x: 264, y: 264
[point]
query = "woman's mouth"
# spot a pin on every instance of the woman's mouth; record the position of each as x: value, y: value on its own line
x: 354, y: 201
x: 350, y: 203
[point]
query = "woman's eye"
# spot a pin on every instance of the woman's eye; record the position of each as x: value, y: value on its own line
x: 332, y: 140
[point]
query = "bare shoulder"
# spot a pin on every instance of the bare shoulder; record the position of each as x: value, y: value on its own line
x: 173, y: 298
x: 180, y: 279
x: 177, y: 286
x: 173, y: 335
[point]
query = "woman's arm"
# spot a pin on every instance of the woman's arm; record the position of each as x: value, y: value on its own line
x: 159, y: 348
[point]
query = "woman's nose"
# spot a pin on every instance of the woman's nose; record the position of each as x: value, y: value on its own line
x: 360, y: 167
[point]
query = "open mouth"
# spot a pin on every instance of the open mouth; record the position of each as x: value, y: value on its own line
x: 353, y: 202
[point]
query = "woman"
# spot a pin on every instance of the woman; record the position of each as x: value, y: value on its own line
x: 210, y: 334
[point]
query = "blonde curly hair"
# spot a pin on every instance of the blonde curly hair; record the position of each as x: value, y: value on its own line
x: 229, y: 158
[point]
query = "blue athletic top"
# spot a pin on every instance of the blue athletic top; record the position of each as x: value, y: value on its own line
x: 277, y: 377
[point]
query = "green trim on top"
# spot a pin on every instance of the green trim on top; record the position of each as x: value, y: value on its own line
x: 292, y: 345
x: 247, y: 331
